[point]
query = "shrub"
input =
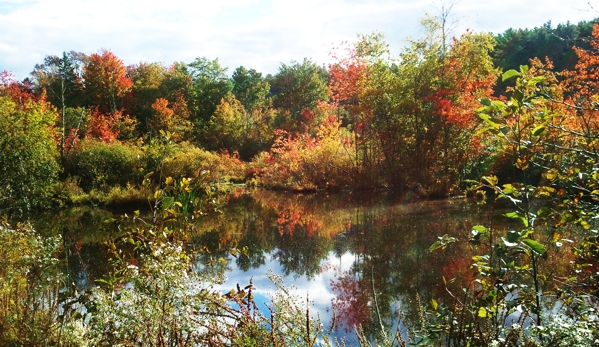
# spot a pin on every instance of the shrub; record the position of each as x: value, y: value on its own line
x: 100, y: 164
x: 28, y: 154
x: 203, y: 167
x: 306, y: 162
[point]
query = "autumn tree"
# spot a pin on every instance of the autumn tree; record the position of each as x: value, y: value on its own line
x: 415, y: 117
x: 361, y: 85
x: 106, y: 81
x: 236, y: 129
x: 107, y: 85
x: 437, y: 98
x: 228, y: 126
x: 19, y: 92
x: 61, y: 79
x: 173, y: 118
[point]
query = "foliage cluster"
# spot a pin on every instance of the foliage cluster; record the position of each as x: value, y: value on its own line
x: 29, y: 165
x: 306, y: 162
x: 99, y: 164
x: 204, y: 168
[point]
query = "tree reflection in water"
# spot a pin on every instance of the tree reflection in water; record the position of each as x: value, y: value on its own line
x: 361, y: 256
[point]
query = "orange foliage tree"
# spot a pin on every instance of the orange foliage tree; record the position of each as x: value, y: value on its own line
x: 106, y: 81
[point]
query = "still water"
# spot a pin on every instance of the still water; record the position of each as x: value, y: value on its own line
x: 356, y: 256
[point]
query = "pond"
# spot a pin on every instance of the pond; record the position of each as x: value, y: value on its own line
x: 357, y: 256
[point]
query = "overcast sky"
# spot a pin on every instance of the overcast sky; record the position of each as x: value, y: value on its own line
x: 257, y: 34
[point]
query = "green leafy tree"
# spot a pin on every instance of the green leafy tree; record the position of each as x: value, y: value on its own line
x: 147, y: 81
x: 61, y: 78
x: 210, y: 84
x: 296, y: 90
x: 250, y: 88
x: 28, y: 155
x: 228, y: 126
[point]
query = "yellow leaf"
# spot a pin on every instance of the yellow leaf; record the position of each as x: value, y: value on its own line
x: 522, y: 164
x: 482, y: 312
x: 551, y: 174
x: 492, y: 180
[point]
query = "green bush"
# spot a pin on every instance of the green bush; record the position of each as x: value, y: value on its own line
x: 100, y: 164
x: 28, y: 155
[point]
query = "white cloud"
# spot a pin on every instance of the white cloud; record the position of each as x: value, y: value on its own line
x: 258, y: 34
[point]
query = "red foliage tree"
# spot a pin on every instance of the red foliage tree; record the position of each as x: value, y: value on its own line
x: 20, y: 93
x: 106, y: 81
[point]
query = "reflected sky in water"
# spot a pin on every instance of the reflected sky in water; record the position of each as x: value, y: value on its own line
x: 335, y: 248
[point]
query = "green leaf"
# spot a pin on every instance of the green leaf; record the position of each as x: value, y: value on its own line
x: 492, y: 180
x: 523, y: 69
x: 492, y: 121
x: 535, y: 80
x: 480, y: 229
x: 443, y: 242
x: 167, y: 202
x: 509, y: 189
x: 517, y: 215
x: 535, y: 246
x: 513, y: 236
x: 485, y: 101
x: 498, y: 103
x: 434, y: 304
x: 543, y: 211
x: 538, y: 130
x: 509, y: 75
x: 436, y: 245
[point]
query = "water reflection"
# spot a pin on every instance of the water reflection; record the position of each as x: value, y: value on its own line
x: 360, y: 257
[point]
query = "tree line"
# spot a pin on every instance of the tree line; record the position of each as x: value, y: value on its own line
x: 367, y: 120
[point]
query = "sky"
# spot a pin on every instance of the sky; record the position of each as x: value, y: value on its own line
x: 258, y: 34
